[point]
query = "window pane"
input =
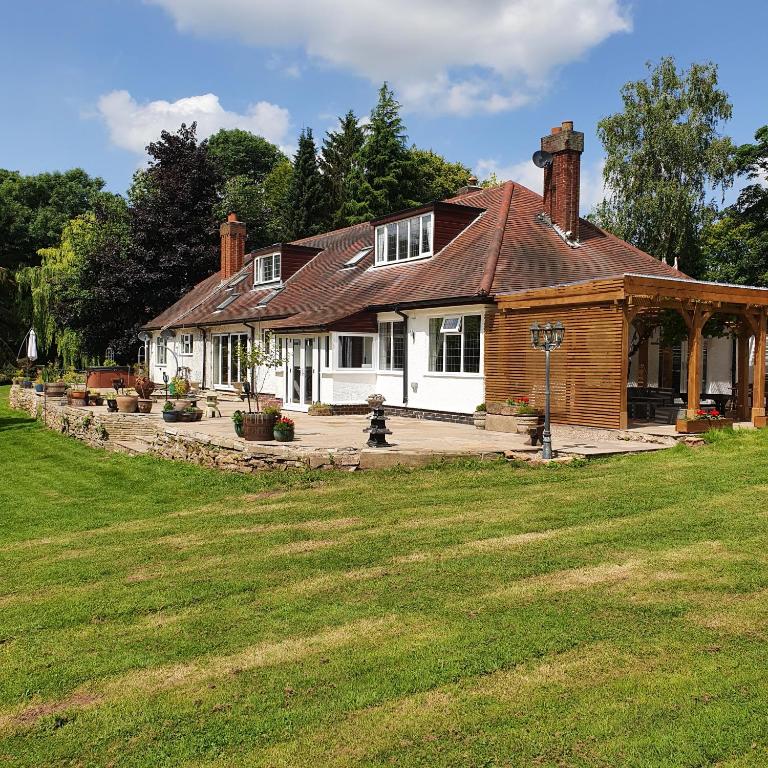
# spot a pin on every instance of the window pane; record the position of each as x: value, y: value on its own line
x: 355, y: 351
x: 276, y: 269
x: 402, y: 237
x: 385, y: 346
x: 413, y: 248
x: 224, y: 360
x: 472, y: 344
x: 398, y: 345
x: 367, y: 352
x: 426, y: 234
x: 380, y: 244
x: 435, y: 344
x: 452, y: 352
x: 266, y: 268
x: 309, y: 354
x: 391, y: 242
x: 217, y: 360
x: 296, y: 378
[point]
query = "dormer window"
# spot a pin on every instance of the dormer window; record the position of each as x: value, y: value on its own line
x: 404, y: 240
x: 266, y: 269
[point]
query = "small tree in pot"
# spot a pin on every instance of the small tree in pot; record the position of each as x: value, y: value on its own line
x: 144, y: 387
x: 259, y: 360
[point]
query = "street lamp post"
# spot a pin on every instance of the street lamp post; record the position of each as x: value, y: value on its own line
x: 547, y: 338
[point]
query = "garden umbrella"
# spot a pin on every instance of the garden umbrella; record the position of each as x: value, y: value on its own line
x: 32, y: 346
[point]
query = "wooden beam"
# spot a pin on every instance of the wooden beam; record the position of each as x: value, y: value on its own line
x: 742, y: 373
x: 699, y: 318
x: 624, y: 373
x: 758, y: 383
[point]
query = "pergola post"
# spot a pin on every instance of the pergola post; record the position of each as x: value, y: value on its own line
x: 758, y: 384
x: 742, y: 374
x: 694, y: 354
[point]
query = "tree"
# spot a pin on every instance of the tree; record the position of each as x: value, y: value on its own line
x: 338, y: 157
x: 735, y: 243
x: 240, y: 153
x: 379, y: 182
x: 305, y: 215
x: 434, y: 178
x: 664, y: 152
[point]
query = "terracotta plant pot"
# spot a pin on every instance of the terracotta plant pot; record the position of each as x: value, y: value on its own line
x: 127, y: 403
x: 145, y: 405
x: 697, y: 426
x: 180, y: 405
x: 78, y: 397
x: 259, y: 426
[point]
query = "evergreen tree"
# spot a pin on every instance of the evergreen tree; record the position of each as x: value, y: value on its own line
x: 435, y: 178
x: 339, y: 155
x: 384, y: 171
x: 305, y: 195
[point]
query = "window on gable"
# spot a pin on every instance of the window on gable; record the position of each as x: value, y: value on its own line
x: 391, y: 346
x: 266, y: 269
x: 455, y: 351
x: 404, y: 240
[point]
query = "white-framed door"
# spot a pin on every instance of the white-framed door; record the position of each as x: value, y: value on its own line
x: 226, y: 368
x: 300, y: 372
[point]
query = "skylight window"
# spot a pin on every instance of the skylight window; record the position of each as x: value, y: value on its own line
x: 451, y: 325
x: 224, y: 304
x: 237, y: 281
x: 404, y: 240
x: 358, y: 257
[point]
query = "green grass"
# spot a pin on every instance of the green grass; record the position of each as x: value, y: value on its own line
x: 157, y: 614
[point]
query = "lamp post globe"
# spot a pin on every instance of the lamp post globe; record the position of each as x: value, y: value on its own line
x: 547, y: 339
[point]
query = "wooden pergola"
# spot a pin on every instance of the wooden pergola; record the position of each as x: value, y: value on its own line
x: 633, y: 295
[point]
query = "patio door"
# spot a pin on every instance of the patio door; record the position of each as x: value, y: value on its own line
x: 301, y: 369
x: 226, y: 366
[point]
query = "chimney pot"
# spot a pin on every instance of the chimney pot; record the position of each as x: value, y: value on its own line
x: 567, y: 125
x: 232, y: 217
x: 555, y: 130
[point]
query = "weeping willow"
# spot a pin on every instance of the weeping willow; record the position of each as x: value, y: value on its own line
x: 49, y: 286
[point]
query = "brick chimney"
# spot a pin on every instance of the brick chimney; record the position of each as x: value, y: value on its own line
x: 232, y: 246
x: 561, y: 178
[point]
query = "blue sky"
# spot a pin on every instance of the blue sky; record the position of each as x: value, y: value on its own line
x: 88, y: 82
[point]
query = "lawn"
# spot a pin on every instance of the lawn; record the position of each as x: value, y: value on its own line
x: 157, y: 614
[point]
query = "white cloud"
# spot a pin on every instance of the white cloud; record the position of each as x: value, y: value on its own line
x: 527, y: 174
x: 132, y: 125
x: 444, y: 56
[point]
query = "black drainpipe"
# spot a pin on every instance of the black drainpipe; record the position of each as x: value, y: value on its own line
x: 405, y: 355
x: 205, y: 353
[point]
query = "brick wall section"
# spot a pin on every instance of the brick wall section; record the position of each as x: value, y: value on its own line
x: 232, y: 246
x: 562, y: 178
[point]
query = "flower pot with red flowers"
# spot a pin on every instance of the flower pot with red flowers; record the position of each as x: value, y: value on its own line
x: 703, y: 421
x: 284, y: 430
x: 526, y: 418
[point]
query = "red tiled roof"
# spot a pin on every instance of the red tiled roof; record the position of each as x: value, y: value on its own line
x: 510, y: 244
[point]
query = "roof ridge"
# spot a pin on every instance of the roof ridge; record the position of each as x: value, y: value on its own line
x: 494, y: 251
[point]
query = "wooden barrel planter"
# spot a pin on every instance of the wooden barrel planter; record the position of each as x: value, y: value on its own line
x: 259, y: 426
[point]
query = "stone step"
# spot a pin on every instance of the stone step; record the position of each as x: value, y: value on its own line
x: 131, y: 447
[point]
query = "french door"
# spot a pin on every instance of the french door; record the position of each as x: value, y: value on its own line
x: 226, y: 367
x: 300, y: 384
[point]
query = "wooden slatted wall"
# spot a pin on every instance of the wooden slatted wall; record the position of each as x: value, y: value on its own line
x: 588, y: 371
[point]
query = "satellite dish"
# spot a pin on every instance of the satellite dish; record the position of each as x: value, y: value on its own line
x: 542, y: 159
x: 144, y: 336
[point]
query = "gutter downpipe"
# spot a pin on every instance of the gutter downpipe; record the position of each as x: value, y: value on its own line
x: 205, y: 352
x: 405, y: 355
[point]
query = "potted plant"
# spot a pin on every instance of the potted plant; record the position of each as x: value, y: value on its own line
x: 237, y: 419
x: 526, y: 417
x: 170, y: 414
x: 143, y: 385
x: 260, y: 359
x: 145, y: 404
x: 479, y: 416
x: 703, y: 421
x: 95, y: 397
x: 284, y: 429
x: 179, y: 387
x: 320, y: 409
x: 127, y: 403
x: 39, y: 384
x: 78, y: 397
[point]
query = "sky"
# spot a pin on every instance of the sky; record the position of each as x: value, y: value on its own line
x: 88, y: 83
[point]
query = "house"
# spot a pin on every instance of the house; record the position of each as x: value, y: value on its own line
x: 432, y: 308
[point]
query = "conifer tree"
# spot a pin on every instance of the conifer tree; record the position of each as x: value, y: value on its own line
x: 381, y: 178
x: 339, y: 155
x: 305, y: 212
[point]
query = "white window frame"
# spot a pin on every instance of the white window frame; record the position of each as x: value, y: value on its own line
x: 259, y: 263
x: 161, y: 345
x: 462, y: 372
x: 338, y: 345
x: 216, y: 369
x: 381, y: 240
x: 391, y: 335
x: 187, y: 344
